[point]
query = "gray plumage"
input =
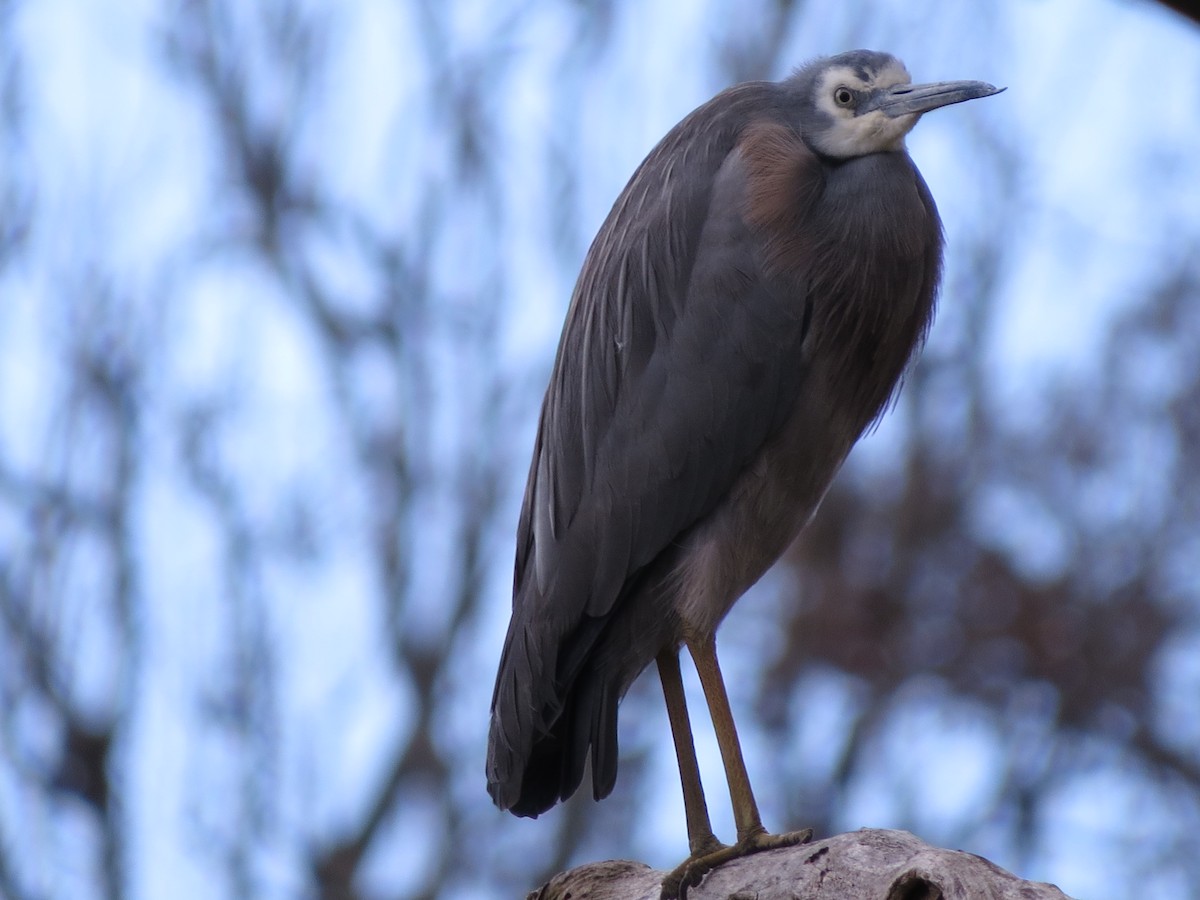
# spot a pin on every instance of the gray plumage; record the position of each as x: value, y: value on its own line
x: 746, y: 311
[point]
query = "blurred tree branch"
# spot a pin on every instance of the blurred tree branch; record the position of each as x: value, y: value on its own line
x: 1188, y: 10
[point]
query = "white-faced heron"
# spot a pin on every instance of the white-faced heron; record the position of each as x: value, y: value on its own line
x: 745, y: 313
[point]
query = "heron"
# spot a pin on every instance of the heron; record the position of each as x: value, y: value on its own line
x: 745, y: 313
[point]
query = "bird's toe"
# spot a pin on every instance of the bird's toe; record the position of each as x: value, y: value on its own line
x: 692, y: 870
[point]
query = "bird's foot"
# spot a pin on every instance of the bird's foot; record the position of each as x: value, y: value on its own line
x: 692, y: 870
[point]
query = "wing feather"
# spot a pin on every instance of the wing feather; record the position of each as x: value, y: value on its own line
x: 680, y: 350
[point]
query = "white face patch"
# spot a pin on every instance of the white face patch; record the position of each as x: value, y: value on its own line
x: 857, y: 135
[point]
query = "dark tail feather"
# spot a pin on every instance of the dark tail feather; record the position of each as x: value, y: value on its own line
x: 552, y: 708
x: 594, y: 731
x: 529, y: 782
x: 603, y: 741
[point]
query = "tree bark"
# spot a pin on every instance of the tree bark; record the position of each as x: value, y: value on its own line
x: 871, y: 864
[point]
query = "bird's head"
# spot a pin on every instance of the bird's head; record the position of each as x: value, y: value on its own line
x: 863, y: 102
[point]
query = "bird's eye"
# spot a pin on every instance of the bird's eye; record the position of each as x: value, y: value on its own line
x: 843, y: 96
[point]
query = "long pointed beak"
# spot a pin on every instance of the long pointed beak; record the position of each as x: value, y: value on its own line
x: 909, y: 99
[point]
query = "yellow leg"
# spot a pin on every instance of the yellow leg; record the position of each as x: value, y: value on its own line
x: 745, y: 809
x: 752, y: 837
x: 700, y: 834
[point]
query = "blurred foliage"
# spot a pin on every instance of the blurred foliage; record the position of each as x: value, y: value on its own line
x: 259, y: 466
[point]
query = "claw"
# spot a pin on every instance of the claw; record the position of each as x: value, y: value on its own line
x: 692, y: 870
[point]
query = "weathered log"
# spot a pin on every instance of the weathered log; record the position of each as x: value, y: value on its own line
x: 871, y: 864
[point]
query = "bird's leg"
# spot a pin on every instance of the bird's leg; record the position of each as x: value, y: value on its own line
x: 752, y: 837
x: 745, y: 809
x: 701, y: 839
